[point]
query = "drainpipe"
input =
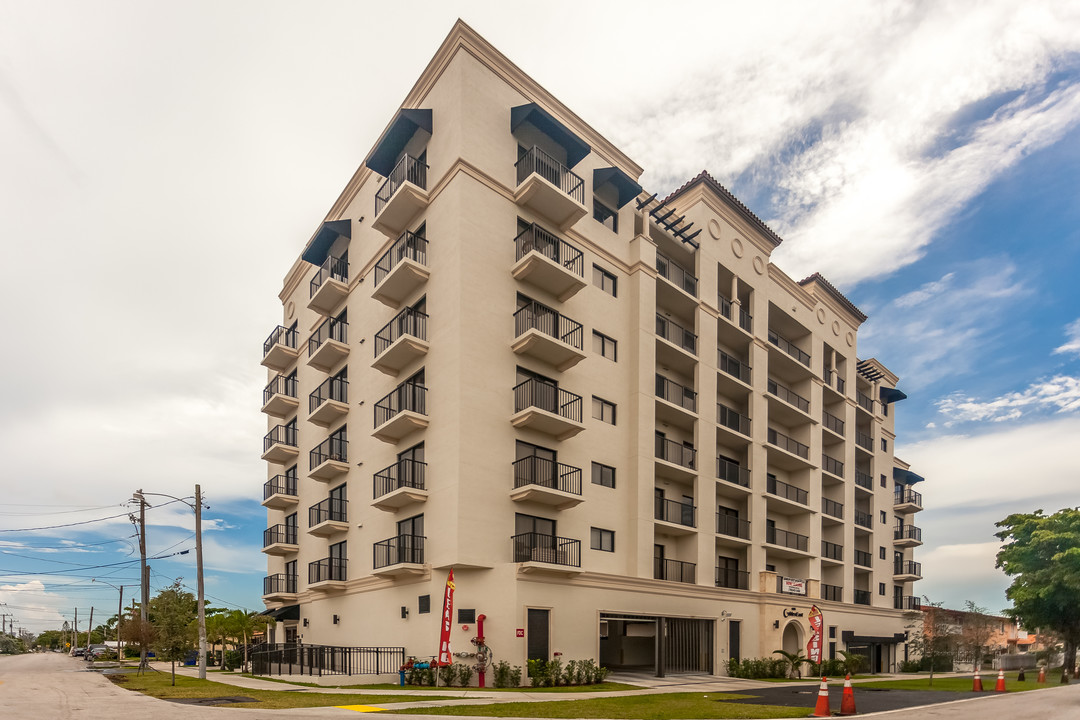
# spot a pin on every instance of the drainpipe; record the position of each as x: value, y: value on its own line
x: 481, y: 650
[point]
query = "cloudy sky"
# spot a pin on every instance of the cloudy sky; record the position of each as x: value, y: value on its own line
x: 162, y: 164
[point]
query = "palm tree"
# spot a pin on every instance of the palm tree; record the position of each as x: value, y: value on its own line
x: 241, y: 625
x: 794, y: 661
x: 852, y: 661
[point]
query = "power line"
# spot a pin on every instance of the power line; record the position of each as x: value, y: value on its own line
x: 53, y: 527
x: 88, y: 508
x: 8, y: 571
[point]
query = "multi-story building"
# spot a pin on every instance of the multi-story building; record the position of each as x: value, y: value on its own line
x: 631, y: 435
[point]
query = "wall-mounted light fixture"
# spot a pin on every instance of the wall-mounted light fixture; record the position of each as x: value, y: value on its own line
x: 776, y: 624
x: 336, y: 619
x: 404, y: 612
x: 305, y: 622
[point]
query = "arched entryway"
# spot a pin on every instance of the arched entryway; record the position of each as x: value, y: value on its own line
x: 792, y: 638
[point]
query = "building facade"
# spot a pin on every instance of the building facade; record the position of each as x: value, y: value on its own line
x: 632, y: 437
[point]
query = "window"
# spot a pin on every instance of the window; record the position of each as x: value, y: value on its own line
x: 832, y: 632
x: 881, y: 588
x: 466, y: 615
x: 603, y: 410
x: 884, y: 481
x: 884, y: 445
x: 603, y: 475
x: 603, y: 345
x: 423, y: 604
x: 605, y: 216
x: 604, y: 280
x: 603, y: 540
x: 885, y: 409
x: 881, y: 553
x: 769, y: 567
x: 883, y: 520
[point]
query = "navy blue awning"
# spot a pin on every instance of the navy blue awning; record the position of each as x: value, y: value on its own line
x: 576, y: 148
x: 906, y: 476
x: 319, y: 246
x: 388, y: 149
x: 891, y: 395
x: 627, y: 187
x: 286, y: 612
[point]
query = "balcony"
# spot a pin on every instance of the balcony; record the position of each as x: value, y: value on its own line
x: 864, y: 441
x: 832, y: 509
x: 548, y: 553
x: 832, y: 466
x: 678, y: 518
x: 732, y: 419
x: 781, y: 489
x: 727, y: 310
x: 907, y: 500
x: 834, y: 382
x: 548, y: 262
x: 674, y: 570
x: 328, y: 345
x: 329, y: 286
x: 402, y: 196
x: 834, y: 593
x: 862, y: 597
x: 328, y: 517
x: 279, y: 492
x: 732, y: 526
x: 864, y: 520
x: 544, y: 481
x: 401, y: 270
x: 279, y: 350
x: 864, y: 402
x: 907, y: 602
x: 832, y: 551
x: 401, y: 412
x: 733, y: 367
x: 280, y: 540
x: 864, y: 559
x: 789, y: 396
x: 548, y: 336
x: 279, y: 445
x: 907, y: 536
x: 787, y: 540
x: 832, y: 423
x: 327, y: 575
x: 399, y: 555
x: 789, y: 349
x: 733, y: 473
x: 907, y: 571
x: 676, y: 334
x: 732, y: 579
x: 677, y: 403
x: 329, y: 459
x: 400, y: 484
x: 549, y: 188
x: 279, y: 396
x: 675, y: 460
x: 279, y: 587
x: 401, y: 341
x: 329, y: 402
x: 676, y: 274
x: 545, y: 407
x: 864, y: 480
x: 795, y: 455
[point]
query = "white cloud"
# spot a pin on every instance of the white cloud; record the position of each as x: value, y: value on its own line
x: 1072, y: 339
x: 1059, y: 394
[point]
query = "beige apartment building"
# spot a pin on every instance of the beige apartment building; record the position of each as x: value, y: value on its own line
x: 632, y: 436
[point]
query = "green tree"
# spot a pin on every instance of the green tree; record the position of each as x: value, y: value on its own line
x: 1042, y: 554
x: 794, y: 661
x: 172, y: 612
x: 240, y: 625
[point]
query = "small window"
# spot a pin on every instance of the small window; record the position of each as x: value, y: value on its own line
x: 605, y: 216
x: 832, y: 632
x: 769, y: 567
x: 603, y: 345
x: 884, y: 481
x: 884, y: 445
x: 883, y: 520
x: 603, y: 475
x: 881, y: 553
x: 881, y: 588
x: 832, y: 651
x: 603, y: 540
x: 604, y: 280
x: 423, y: 604
x: 466, y: 615
x: 885, y: 409
x: 603, y: 410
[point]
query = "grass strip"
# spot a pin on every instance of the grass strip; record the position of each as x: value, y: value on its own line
x: 599, y: 687
x: 959, y: 684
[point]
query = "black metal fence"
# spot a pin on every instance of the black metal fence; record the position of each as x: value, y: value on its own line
x: 676, y: 393
x: 732, y: 579
x: 409, y: 321
x: 332, y: 448
x: 409, y: 396
x: 404, y: 473
x: 789, y: 347
x: 330, y: 568
x: 676, y: 452
x: 785, y: 538
x: 408, y: 169
x: 673, y: 511
x: 331, y: 509
x: 785, y: 490
x: 732, y: 526
x: 537, y: 316
x: 537, y: 161
x: 316, y: 660
x: 544, y: 472
x: 538, y: 547
x: 547, y: 396
x: 409, y: 246
x: 334, y: 388
x: 399, y: 549
x: 674, y: 570
x: 331, y: 329
x: 732, y: 419
x: 281, y: 434
x: 550, y: 246
x: 333, y: 268
x: 283, y: 335
x: 789, y: 396
x: 734, y: 367
x: 280, y: 385
x: 732, y: 472
x: 676, y: 273
x: 279, y: 485
x: 676, y: 334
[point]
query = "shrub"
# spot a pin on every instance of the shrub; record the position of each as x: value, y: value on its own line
x: 515, y: 676
x: 464, y: 674
x: 909, y: 666
x: 502, y: 674
x: 447, y: 674
x: 233, y: 659
x: 757, y: 668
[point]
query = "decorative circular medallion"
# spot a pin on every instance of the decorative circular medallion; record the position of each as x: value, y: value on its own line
x: 850, y: 339
x: 836, y: 328
x: 714, y: 229
x: 759, y: 265
x: 821, y: 315
x: 736, y: 247
x: 290, y: 309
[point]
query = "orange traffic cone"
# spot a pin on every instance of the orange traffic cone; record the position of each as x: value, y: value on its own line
x: 1042, y: 675
x: 1000, y: 686
x: 977, y: 684
x: 847, y: 702
x: 822, y: 707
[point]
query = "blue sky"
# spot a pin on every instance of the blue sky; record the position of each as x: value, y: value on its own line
x: 164, y: 164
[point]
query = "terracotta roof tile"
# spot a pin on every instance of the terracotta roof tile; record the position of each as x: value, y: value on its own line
x: 820, y: 279
x: 705, y: 177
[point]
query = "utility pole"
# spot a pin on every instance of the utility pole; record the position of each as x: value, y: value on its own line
x: 76, y: 629
x: 143, y: 616
x: 90, y: 628
x: 199, y: 574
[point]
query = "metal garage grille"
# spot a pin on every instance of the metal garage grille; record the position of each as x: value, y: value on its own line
x: 688, y: 646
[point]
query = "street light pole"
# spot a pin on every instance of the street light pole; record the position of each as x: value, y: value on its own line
x: 119, y: 617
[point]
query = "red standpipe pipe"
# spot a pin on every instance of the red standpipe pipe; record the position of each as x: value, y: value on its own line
x: 480, y: 643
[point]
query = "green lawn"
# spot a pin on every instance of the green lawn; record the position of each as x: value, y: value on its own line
x: 159, y: 685
x: 599, y: 687
x: 674, y: 706
x: 814, y: 679
x: 961, y: 684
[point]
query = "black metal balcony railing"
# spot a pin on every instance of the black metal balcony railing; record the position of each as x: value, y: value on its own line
x: 408, y: 246
x: 279, y: 485
x: 904, y: 496
x: 862, y: 597
x: 674, y: 570
x: 788, y: 347
x: 328, y: 569
x: 832, y: 592
x: 538, y: 547
x: 788, y: 396
x: 399, y: 549
x: 537, y: 161
x: 409, y: 321
x: 675, y: 452
x: 833, y: 379
x: 832, y: 422
x: 864, y: 519
x: 328, y: 510
x: 330, y: 329
x: 784, y: 538
x: 864, y: 440
x: 547, y: 396
x: 864, y: 480
x: 280, y: 336
x: 675, y: 393
x: 278, y: 584
x: 863, y: 558
x: 832, y: 508
x: 332, y: 268
x: 746, y: 320
x: 864, y: 401
x: 537, y: 316
x: 335, y: 388
x: 675, y: 512
x: 832, y: 550
x: 280, y: 385
x: 907, y: 532
x: 732, y: 419
x: 550, y: 246
x: 405, y: 473
x: 332, y: 448
x: 409, y: 396
x: 732, y: 579
x: 832, y: 466
x: 784, y: 442
x: 407, y: 169
x: 907, y: 567
x: 732, y: 526
x: 544, y: 472
x: 733, y: 367
x: 907, y: 602
x: 676, y: 274
x: 676, y: 334
x: 280, y: 435
x: 785, y: 490
x: 732, y: 472
x: 285, y: 534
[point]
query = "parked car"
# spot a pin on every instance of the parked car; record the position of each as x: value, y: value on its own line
x: 93, y: 652
x: 78, y: 652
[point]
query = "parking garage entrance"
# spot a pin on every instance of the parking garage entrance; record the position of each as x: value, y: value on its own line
x: 657, y: 644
